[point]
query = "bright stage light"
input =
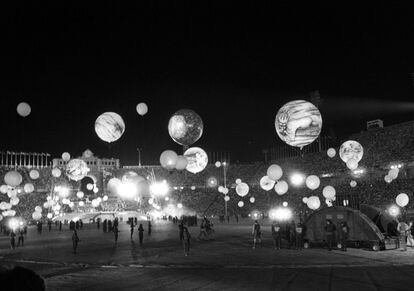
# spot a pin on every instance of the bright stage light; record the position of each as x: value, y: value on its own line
x: 14, y: 223
x: 280, y: 214
x: 179, y: 205
x: 127, y: 190
x: 159, y: 189
x: 297, y: 179
x: 62, y: 191
x: 394, y: 210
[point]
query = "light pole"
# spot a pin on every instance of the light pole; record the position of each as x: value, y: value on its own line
x: 139, y: 157
x: 224, y: 165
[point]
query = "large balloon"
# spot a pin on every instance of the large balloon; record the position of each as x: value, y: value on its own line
x: 402, y: 200
x: 13, y: 178
x: 329, y: 192
x: 76, y: 169
x: 197, y: 159
x: 393, y: 173
x: 313, y: 202
x: 274, y: 172
x: 181, y: 163
x: 266, y: 183
x: 185, y: 127
x: 313, y: 182
x: 23, y: 109
x: 56, y: 172
x: 65, y: 156
x: 298, y: 123
x: 28, y: 188
x: 281, y: 187
x: 351, y: 150
x: 4, y: 189
x: 109, y: 126
x: 142, y: 109
x: 168, y: 159
x: 34, y: 174
x: 242, y: 189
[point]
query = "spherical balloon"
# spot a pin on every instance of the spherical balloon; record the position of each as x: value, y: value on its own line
x: 331, y: 152
x: 23, y: 109
x: 393, y: 173
x: 313, y: 202
x: 65, y: 156
x: 87, y: 154
x: 81, y: 203
x: 95, y: 190
x: 402, y: 199
x: 218, y: 164
x: 225, y: 191
x: 353, y: 184
x: 14, y: 201
x: 313, y: 182
x: 252, y: 199
x: 226, y: 198
x: 168, y: 159
x: 284, y: 204
x: 242, y: 189
x: 193, y: 188
x: 298, y: 123
x: 197, y: 159
x: 4, y: 189
x: 105, y: 198
x: 37, y: 215
x: 240, y: 204
x: 28, y: 188
x: 220, y: 189
x: 266, y: 183
x: 351, y: 150
x: 34, y: 174
x: 56, y: 172
x: 387, y: 179
x: 80, y: 194
x: 109, y: 126
x: 185, y: 127
x: 329, y: 192
x: 274, y: 172
x: 238, y: 181
x: 352, y: 164
x: 142, y: 108
x: 38, y: 208
x: 49, y: 215
x: 212, y: 182
x: 281, y: 187
x: 305, y: 200
x: 328, y: 202
x: 13, y: 178
x: 89, y: 186
x: 181, y: 163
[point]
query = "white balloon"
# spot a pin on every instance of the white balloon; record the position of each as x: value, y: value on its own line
x: 352, y: 164
x: 56, y: 172
x: 329, y: 192
x: 80, y: 194
x: 77, y: 169
x: 218, y: 164
x: 81, y: 203
x: 181, y: 163
x: 38, y: 209
x: 353, y: 183
x: 37, y: 215
x: 393, y: 173
x: 142, y: 108
x: 89, y: 186
x: 23, y: 109
x: 402, y: 199
x: 226, y: 198
x: 252, y: 199
x: 387, y: 179
x: 331, y: 152
x: 66, y: 156
x: 168, y: 159
x: 305, y: 200
x: 313, y: 182
x: 225, y: 191
x: 328, y: 202
x: 105, y: 198
x: 28, y: 188
x: 34, y: 174
x: 266, y: 183
x: 13, y: 178
x: 351, y: 150
x: 49, y: 215
x: 242, y: 189
x: 109, y: 126
x: 4, y: 189
x: 275, y: 172
x: 220, y: 189
x: 240, y: 204
x: 313, y: 202
x: 281, y: 187
x: 238, y: 181
x: 14, y: 201
x: 197, y: 159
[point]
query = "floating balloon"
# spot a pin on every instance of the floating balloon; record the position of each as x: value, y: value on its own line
x: 218, y: 164
x: 12, y: 193
x: 168, y: 159
x: 56, y: 172
x: 242, y: 189
x: 266, y: 183
x: 240, y: 204
x: 77, y: 169
x: 181, y: 163
x: 185, y: 127
x: 313, y: 202
x: 80, y: 194
x: 197, y: 159
x: 23, y: 109
x: 328, y: 202
x: 305, y: 200
x: 387, y: 179
x: 4, y: 189
x: 87, y: 154
x: 225, y: 191
x: 193, y: 188
x: 281, y: 187
x: 252, y: 199
x: 34, y: 174
x: 352, y: 164
x: 274, y: 172
x: 212, y: 182
x: 220, y: 189
x: 28, y: 188
x: 49, y: 215
x: 402, y: 199
x: 226, y: 198
x: 109, y: 126
x: 393, y: 173
x: 89, y: 186
x: 331, y: 152
x: 353, y: 184
x: 95, y: 190
x: 38, y: 209
x: 65, y: 156
x: 13, y: 178
x: 329, y: 192
x: 351, y: 150
x: 14, y: 201
x: 105, y: 198
x: 142, y: 108
x: 284, y: 204
x: 313, y: 182
x: 238, y: 181
x: 298, y: 123
x: 81, y: 203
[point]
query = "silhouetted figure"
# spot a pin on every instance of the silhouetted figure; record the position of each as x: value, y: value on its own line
x: 257, y: 234
x: 20, y: 278
x: 98, y: 223
x: 276, y: 235
x: 39, y: 227
x: 116, y: 231
x: 149, y: 227
x: 329, y: 233
x: 21, y: 237
x: 299, y: 236
x: 75, y: 240
x: 237, y: 218
x: 104, y: 225
x: 60, y: 225
x: 77, y: 224
x: 116, y: 222
x: 49, y: 225
x: 181, y: 229
x: 140, y: 234
x: 186, y: 241
x: 109, y: 225
x: 12, y: 240
x: 343, y: 235
x: 80, y: 223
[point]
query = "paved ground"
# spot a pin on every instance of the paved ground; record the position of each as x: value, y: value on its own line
x: 226, y: 263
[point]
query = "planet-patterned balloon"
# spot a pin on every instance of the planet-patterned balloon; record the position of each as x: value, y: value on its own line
x: 76, y: 169
x: 197, y: 159
x: 185, y: 127
x: 109, y: 126
x: 351, y: 150
x: 298, y: 123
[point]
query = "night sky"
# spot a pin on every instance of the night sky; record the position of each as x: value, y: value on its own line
x: 235, y: 65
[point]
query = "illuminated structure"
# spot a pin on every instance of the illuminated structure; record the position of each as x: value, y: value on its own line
x: 21, y: 159
x: 93, y: 162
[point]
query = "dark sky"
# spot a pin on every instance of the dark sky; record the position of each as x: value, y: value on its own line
x: 235, y: 65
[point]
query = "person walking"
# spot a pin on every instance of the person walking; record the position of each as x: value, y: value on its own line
x: 299, y: 236
x: 116, y: 231
x: 104, y: 225
x: 21, y: 237
x: 12, y: 239
x: 186, y: 241
x: 75, y: 241
x: 343, y: 235
x: 149, y: 227
x: 257, y: 235
x: 403, y: 228
x: 132, y: 228
x: 140, y: 234
x: 49, y: 225
x: 60, y: 225
x: 181, y: 230
x: 276, y: 235
x: 329, y: 233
